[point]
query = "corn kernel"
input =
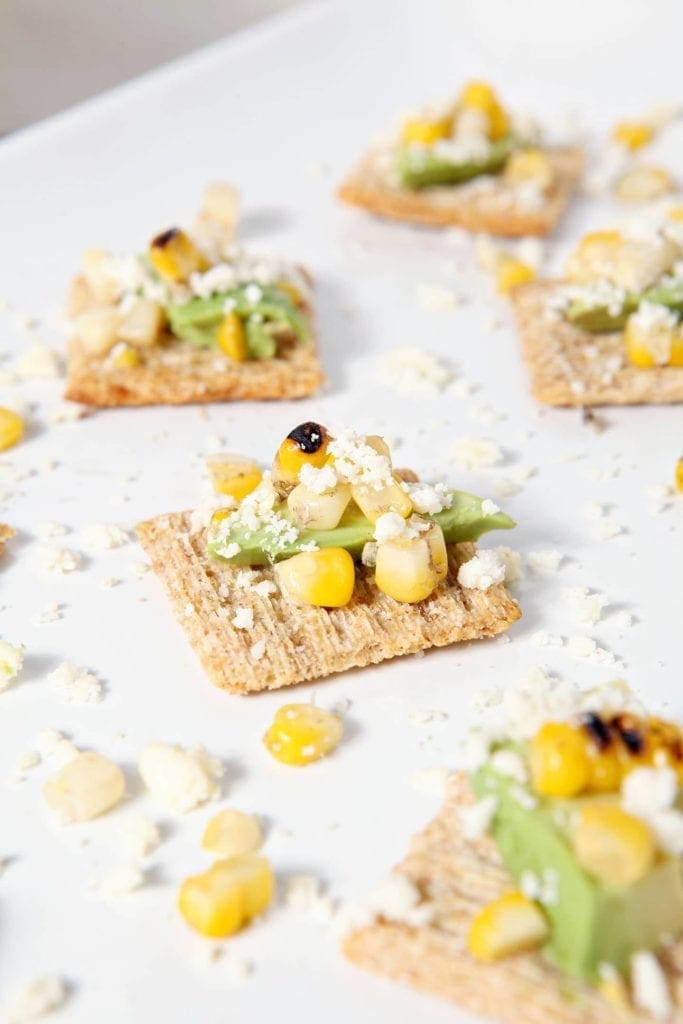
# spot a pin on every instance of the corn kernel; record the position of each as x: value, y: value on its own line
x: 306, y: 445
x: 594, y: 256
x: 231, y: 833
x: 375, y: 502
x: 480, y: 96
x: 641, y: 184
x: 302, y: 733
x: 232, y: 337
x: 410, y: 569
x: 559, y: 760
x: 676, y: 353
x: 612, y: 845
x: 220, y: 901
x: 87, y: 786
x: 220, y: 203
x: 613, y: 988
x: 97, y: 330
x: 529, y: 165
x: 324, y: 578
x: 651, y: 345
x: 633, y: 134
x: 512, y: 272
x: 291, y: 291
x: 312, y: 511
x: 426, y: 130
x: 125, y: 357
x: 175, y: 256
x: 606, y: 771
x: 678, y: 476
x: 233, y: 475
x: 11, y: 429
x: 511, y: 924
x: 142, y: 324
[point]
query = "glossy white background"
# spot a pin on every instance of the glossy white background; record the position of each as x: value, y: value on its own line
x: 281, y: 111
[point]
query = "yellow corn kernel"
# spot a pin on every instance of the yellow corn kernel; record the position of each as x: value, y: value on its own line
x: 218, y: 516
x: 426, y: 130
x: 232, y: 833
x: 175, y: 256
x: 232, y: 337
x: 124, y: 357
x: 676, y: 354
x: 312, y: 511
x: 606, y: 771
x: 481, y: 96
x: 302, y: 733
x: 11, y: 429
x: 529, y: 165
x: 595, y: 254
x: 86, y: 787
x: 324, y: 578
x: 220, y: 901
x: 633, y: 134
x: 652, y: 345
x: 220, y: 204
x: 512, y: 272
x: 97, y: 330
x: 234, y: 475
x: 511, y: 924
x: 292, y: 291
x: 678, y: 476
x: 306, y: 445
x: 559, y: 760
x: 375, y: 502
x: 643, y: 183
x: 410, y: 569
x: 142, y: 324
x: 612, y: 845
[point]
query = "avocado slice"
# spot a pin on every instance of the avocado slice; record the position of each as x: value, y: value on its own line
x: 464, y: 520
x: 431, y: 169
x: 599, y: 319
x: 590, y: 923
x: 197, y: 321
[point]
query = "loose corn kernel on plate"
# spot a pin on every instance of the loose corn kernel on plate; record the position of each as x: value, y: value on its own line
x: 418, y: 346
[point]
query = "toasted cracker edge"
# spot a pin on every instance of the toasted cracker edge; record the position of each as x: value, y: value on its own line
x: 6, y: 533
x: 571, y: 367
x: 461, y: 875
x: 302, y: 642
x: 457, y: 205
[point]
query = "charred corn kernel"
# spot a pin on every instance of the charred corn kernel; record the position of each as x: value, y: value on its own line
x: 306, y: 445
x: 220, y: 203
x: 529, y: 165
x: 291, y: 290
x: 409, y: 569
x: 302, y: 733
x: 512, y: 272
x: 613, y: 988
x: 220, y: 901
x: 175, y: 256
x: 426, y: 130
x: 559, y: 760
x: 606, y: 771
x: 640, y: 184
x: 375, y: 502
x: 233, y: 475
x: 324, y: 578
x: 87, y: 786
x: 649, y: 339
x: 481, y: 96
x: 511, y: 924
x: 678, y: 476
x: 612, y: 845
x: 232, y: 833
x: 312, y: 511
x: 124, y: 357
x: 97, y: 330
x: 11, y: 429
x: 633, y: 134
x: 232, y: 337
x: 142, y: 324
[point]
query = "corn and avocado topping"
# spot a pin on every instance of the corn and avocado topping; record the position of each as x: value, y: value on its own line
x: 331, y: 502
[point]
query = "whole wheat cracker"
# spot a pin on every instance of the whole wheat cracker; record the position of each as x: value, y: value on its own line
x: 483, y: 204
x: 6, y: 533
x: 569, y: 366
x: 303, y: 642
x: 460, y: 875
x: 176, y: 372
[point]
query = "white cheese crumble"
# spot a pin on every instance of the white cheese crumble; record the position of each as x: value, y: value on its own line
x: 398, y: 899
x: 304, y: 894
x: 412, y: 371
x: 119, y: 881
x: 435, y: 298
x: 318, y: 481
x: 243, y: 618
x: 258, y: 649
x: 37, y: 999
x: 586, y: 649
x: 428, y: 499
x: 58, y: 560
x: 11, y: 661
x: 512, y: 560
x: 51, y: 529
x: 139, y: 837
x: 357, y: 462
x: 38, y: 363
x: 104, y: 536
x: 476, y: 453
x: 510, y: 764
x: 650, y: 794
x: 476, y: 818
x: 75, y: 685
x: 179, y: 779
x: 587, y: 606
x: 489, y: 507
x: 430, y: 781
x: 482, y: 571
x: 649, y: 984
x: 544, y: 561
x: 390, y: 526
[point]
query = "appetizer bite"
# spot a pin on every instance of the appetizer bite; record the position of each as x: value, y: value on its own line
x: 469, y: 163
x: 192, y: 319
x: 611, y: 332
x: 551, y: 878
x: 331, y: 560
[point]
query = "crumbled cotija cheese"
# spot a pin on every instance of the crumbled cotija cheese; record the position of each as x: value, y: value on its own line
x: 318, y: 481
x: 58, y: 560
x: 139, y: 838
x: 304, y: 894
x: 476, y: 453
x: 475, y: 818
x: 243, y: 618
x: 39, y: 362
x: 104, y: 536
x: 11, y: 661
x: 75, y: 685
x: 649, y: 984
x: 179, y: 779
x: 482, y: 571
x: 544, y: 561
x: 412, y: 371
x: 390, y: 526
x: 398, y: 899
x: 435, y: 298
x: 37, y: 999
x: 587, y: 607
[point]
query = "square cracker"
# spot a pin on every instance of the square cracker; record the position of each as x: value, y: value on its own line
x: 569, y: 366
x: 483, y: 204
x: 460, y: 876
x: 177, y: 372
x: 303, y: 642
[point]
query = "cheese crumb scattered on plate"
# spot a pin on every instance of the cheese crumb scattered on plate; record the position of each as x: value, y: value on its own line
x: 39, y: 363
x: 179, y: 779
x: 588, y: 607
x: 304, y: 894
x: 104, y: 537
x: 476, y: 453
x: 482, y: 571
x: 119, y: 881
x: 58, y: 560
x: 75, y: 685
x: 11, y: 661
x: 430, y: 781
x: 37, y: 999
x: 435, y: 298
x: 412, y: 371
x: 139, y: 837
x: 545, y: 561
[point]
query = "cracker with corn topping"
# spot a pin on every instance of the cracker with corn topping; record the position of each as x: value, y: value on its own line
x: 331, y: 561
x: 467, y: 164
x: 194, y: 319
